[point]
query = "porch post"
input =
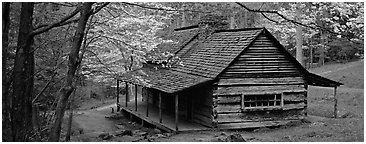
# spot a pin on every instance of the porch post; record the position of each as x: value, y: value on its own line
x: 176, y: 112
x: 135, y: 97
x: 117, y: 96
x: 147, y: 104
x: 160, y: 109
x: 187, y: 107
x: 335, y: 102
x: 126, y: 93
x: 142, y: 93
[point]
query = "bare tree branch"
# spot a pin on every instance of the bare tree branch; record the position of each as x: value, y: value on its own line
x: 50, y: 80
x: 65, y: 20
x: 285, y: 18
x: 98, y: 8
x: 129, y: 14
x: 164, y: 9
x: 272, y: 12
x: 71, y: 4
x: 44, y: 28
x: 66, y: 4
x: 264, y: 15
x: 45, y: 87
x: 101, y: 62
x: 123, y: 42
x: 85, y: 44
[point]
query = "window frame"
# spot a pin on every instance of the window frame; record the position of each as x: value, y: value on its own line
x: 275, y: 100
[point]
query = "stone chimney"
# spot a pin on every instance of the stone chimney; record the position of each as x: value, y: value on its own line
x: 211, y: 23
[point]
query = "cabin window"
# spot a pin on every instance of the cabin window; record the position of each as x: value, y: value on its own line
x: 261, y: 101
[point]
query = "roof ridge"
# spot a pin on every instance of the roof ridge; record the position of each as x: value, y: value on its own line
x: 186, y: 28
x: 217, y: 31
x: 232, y: 60
x: 184, y: 45
x: 241, y: 29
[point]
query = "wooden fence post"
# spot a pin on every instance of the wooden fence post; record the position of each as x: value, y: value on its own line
x: 117, y: 96
x: 335, y: 102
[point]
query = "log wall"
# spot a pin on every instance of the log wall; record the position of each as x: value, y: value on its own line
x: 262, y: 69
x: 229, y: 108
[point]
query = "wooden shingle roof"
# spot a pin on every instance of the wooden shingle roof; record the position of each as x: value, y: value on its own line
x: 202, y: 61
x: 316, y: 80
x: 211, y: 56
x: 163, y: 79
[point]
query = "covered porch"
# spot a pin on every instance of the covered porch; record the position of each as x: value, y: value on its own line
x: 169, y: 101
x: 142, y: 108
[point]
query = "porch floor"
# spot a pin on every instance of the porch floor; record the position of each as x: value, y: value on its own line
x: 168, y: 119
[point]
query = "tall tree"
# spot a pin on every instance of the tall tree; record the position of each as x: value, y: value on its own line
x: 5, y: 41
x: 74, y: 61
x: 23, y: 72
x: 299, y: 40
x: 21, y: 113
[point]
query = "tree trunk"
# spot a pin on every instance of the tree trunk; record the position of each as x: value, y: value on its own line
x: 322, y: 48
x: 245, y: 19
x: 311, y: 57
x: 232, y: 17
x: 71, y: 109
x: 36, y: 122
x: 184, y: 20
x: 21, y: 111
x: 299, y: 54
x: 6, y: 120
x: 74, y: 61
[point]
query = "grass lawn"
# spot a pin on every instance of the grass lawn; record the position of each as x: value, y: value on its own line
x: 350, y: 126
x: 350, y: 74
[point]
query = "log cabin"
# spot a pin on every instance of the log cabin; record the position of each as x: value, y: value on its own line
x: 221, y: 78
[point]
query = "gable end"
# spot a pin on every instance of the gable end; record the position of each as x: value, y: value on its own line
x: 264, y: 58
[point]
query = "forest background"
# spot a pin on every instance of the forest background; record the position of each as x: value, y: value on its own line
x: 57, y: 53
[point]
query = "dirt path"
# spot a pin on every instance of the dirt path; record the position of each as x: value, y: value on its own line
x: 93, y: 121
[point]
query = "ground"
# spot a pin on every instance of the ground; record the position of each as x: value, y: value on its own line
x: 319, y: 126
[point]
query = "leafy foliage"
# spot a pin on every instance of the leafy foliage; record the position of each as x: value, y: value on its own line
x: 338, y: 22
x: 120, y: 38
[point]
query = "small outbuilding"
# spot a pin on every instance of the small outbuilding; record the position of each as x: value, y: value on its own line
x: 221, y: 78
